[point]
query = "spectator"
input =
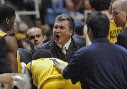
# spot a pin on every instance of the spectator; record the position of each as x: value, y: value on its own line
x: 63, y: 37
x: 47, y: 33
x: 21, y: 35
x: 78, y: 17
x: 119, y: 13
x: 102, y: 65
x: 38, y: 23
x: 34, y: 36
x: 57, y: 7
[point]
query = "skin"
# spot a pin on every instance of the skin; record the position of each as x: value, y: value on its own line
x: 11, y: 43
x: 62, y: 29
x: 35, y: 36
x: 6, y: 78
x: 12, y: 50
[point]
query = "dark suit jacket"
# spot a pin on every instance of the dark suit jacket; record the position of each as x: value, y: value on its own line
x: 76, y: 43
x: 26, y: 56
x: 122, y: 38
x: 102, y: 65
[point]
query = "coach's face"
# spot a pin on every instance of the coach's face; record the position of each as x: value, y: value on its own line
x: 62, y: 32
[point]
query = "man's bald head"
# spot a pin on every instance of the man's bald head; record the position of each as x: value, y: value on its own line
x: 34, y: 36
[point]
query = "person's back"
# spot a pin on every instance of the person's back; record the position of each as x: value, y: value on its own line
x: 46, y: 76
x: 106, y: 66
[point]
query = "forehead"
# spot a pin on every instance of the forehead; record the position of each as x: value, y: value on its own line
x: 34, y: 31
x: 62, y: 22
x: 116, y: 6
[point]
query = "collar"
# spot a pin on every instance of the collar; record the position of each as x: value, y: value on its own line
x: 66, y: 45
x: 100, y: 40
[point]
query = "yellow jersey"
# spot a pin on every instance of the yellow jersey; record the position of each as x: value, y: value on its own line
x: 113, y: 32
x: 43, y: 71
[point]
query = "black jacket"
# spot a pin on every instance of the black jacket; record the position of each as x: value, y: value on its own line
x: 76, y: 43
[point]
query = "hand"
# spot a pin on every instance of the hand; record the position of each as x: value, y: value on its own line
x: 21, y: 81
x: 6, y: 78
x: 60, y: 67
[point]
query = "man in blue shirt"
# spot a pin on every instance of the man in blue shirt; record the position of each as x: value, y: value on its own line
x: 101, y: 65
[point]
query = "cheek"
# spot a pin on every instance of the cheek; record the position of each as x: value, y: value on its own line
x: 120, y: 19
x: 66, y: 34
x: 41, y: 39
x: 123, y: 17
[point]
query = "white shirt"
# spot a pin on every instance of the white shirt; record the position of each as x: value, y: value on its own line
x: 66, y: 45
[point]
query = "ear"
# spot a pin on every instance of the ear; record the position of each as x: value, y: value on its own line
x: 90, y: 34
x: 7, y: 21
x: 71, y: 32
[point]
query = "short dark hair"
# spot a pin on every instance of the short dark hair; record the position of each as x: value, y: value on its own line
x: 99, y: 24
x: 6, y: 11
x: 100, y: 5
x: 64, y: 17
x: 41, y: 53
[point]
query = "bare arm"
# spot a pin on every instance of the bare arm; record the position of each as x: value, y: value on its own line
x: 12, y: 50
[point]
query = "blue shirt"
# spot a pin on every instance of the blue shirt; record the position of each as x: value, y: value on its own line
x: 102, y: 65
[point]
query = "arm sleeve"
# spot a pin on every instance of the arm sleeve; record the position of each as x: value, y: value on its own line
x: 72, y: 71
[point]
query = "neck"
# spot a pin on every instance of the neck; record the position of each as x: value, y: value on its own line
x: 106, y: 12
x: 2, y: 29
x: 125, y: 26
